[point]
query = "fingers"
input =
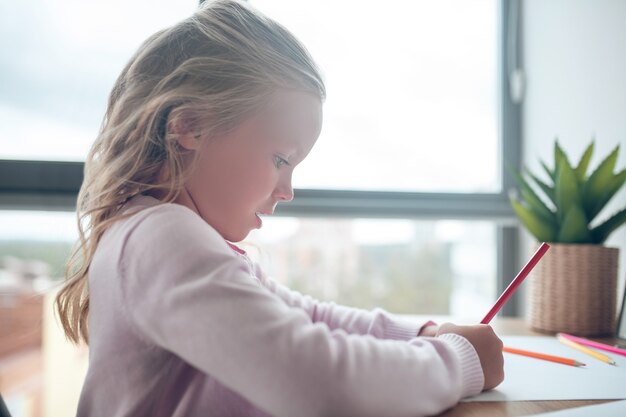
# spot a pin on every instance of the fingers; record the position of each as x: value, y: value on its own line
x: 488, y: 347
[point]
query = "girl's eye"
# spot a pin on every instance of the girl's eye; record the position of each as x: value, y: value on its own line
x: 280, y: 161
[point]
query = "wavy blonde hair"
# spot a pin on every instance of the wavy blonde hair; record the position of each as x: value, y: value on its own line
x: 205, y: 74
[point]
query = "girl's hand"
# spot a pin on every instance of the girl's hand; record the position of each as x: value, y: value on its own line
x: 488, y: 346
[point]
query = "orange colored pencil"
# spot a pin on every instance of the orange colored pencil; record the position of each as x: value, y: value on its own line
x: 551, y: 358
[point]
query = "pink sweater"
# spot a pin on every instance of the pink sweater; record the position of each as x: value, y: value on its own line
x: 183, y: 324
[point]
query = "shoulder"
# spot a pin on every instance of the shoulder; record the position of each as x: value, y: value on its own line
x: 153, y: 227
x: 144, y: 209
x: 147, y: 215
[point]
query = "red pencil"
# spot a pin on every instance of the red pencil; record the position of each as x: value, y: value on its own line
x: 516, y: 283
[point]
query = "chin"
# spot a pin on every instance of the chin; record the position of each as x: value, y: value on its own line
x: 236, y: 236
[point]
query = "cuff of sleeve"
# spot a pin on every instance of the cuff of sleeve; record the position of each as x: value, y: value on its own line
x: 472, y: 377
x: 398, y: 330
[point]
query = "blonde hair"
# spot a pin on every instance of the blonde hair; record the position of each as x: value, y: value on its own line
x: 206, y: 73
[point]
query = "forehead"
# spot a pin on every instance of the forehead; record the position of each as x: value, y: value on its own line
x: 289, y: 122
x: 295, y: 112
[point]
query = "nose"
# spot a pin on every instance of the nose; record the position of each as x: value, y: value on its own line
x: 284, y: 190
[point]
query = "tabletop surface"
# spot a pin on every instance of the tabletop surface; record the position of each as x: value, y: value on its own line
x: 505, y: 326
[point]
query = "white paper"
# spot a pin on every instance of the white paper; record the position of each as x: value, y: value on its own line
x: 530, y: 379
x: 612, y: 409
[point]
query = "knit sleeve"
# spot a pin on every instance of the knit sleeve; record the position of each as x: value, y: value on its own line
x: 186, y: 291
x: 377, y: 322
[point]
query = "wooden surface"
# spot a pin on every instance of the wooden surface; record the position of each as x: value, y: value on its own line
x: 510, y: 327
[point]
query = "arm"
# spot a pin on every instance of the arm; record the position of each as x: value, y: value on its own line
x: 378, y: 322
x: 187, y: 292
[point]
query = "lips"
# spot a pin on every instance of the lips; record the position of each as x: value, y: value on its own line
x: 267, y: 212
x: 259, y: 214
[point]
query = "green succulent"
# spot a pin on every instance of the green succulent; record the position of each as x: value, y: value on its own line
x: 571, y: 199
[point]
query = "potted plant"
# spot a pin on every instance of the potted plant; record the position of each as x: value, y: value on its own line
x: 573, y: 289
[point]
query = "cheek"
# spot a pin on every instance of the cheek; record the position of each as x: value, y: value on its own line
x: 210, y: 180
x: 257, y: 181
x: 235, y: 183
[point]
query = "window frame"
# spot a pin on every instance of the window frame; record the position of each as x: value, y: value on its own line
x: 54, y: 185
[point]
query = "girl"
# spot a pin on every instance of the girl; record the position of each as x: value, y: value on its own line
x: 201, y: 136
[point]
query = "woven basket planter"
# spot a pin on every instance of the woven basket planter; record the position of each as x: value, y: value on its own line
x: 573, y: 290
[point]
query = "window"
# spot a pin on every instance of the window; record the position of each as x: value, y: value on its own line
x: 37, y: 238
x: 404, y: 266
x: 402, y: 203
x: 417, y: 124
x: 46, y: 372
x: 413, y: 99
x: 62, y: 59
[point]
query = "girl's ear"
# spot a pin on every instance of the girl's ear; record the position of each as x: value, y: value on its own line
x: 189, y: 140
x: 182, y: 131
